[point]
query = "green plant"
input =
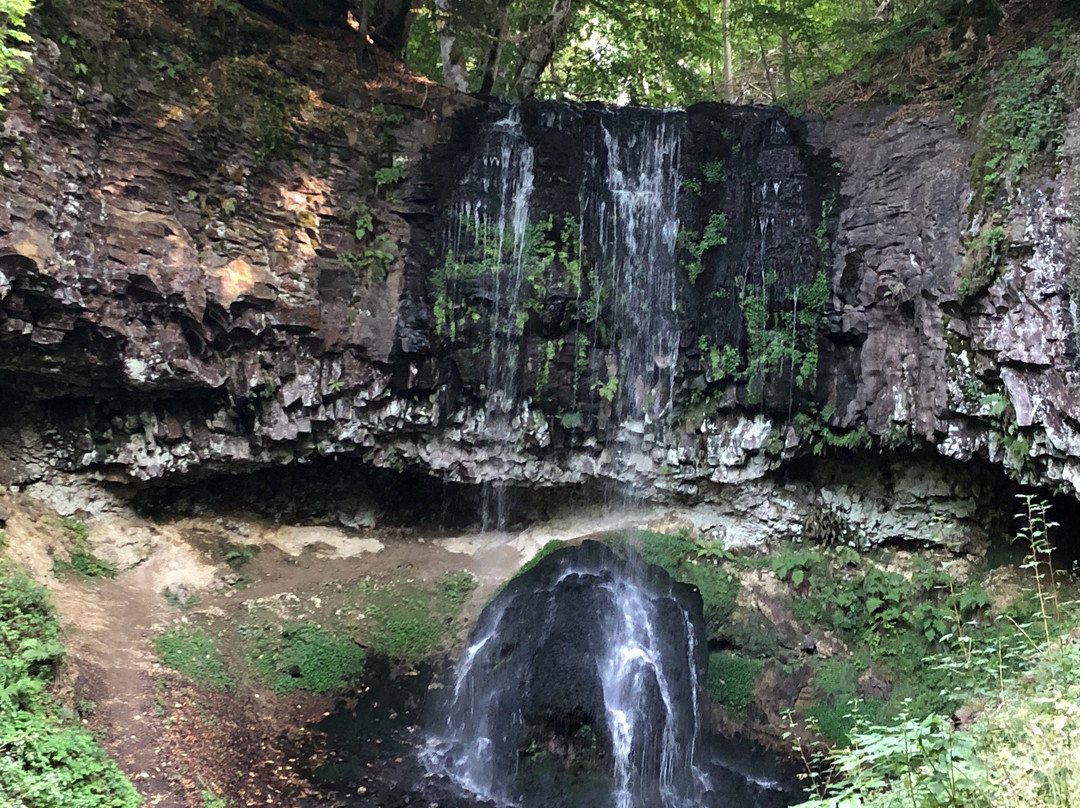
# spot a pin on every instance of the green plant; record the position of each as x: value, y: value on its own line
x: 731, y: 679
x: 177, y: 600
x: 391, y: 174
x: 302, y: 656
x: 237, y: 555
x: 783, y: 340
x: 44, y: 763
x: 457, y: 587
x: 13, y: 36
x: 364, y: 224
x: 385, y: 116
x: 983, y: 263
x: 407, y: 632
x: 76, y: 527
x: 713, y: 172
x: 80, y: 560
x: 607, y: 389
x: 795, y: 565
x: 1025, y: 119
x: 714, y: 235
x: 212, y: 800
x: 244, y: 98
x: 193, y: 652
x: 1034, y: 535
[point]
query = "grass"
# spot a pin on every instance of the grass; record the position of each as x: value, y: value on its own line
x: 302, y: 656
x: 80, y: 561
x: 410, y: 621
x: 193, y: 652
x: 305, y: 644
x: 44, y: 761
x: 731, y: 679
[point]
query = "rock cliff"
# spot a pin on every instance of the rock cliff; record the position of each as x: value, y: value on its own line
x: 239, y: 270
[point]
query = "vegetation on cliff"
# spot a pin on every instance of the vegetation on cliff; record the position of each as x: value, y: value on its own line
x: 13, y: 41
x: 46, y: 759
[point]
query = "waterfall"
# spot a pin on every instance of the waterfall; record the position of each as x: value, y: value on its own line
x: 631, y: 208
x: 586, y: 639
x: 487, y: 235
x: 611, y: 188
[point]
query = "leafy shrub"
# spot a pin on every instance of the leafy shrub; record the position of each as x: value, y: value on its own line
x: 237, y: 555
x: 1025, y: 119
x: 13, y: 59
x: 457, y: 586
x: 43, y: 763
x: 981, y: 267
x: 83, y: 563
x: 193, y: 652
x: 80, y: 561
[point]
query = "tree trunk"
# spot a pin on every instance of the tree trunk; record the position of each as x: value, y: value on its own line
x: 765, y: 64
x: 363, y: 27
x: 449, y: 50
x: 539, y: 55
x: 785, y: 46
x: 725, y: 24
x: 498, y: 40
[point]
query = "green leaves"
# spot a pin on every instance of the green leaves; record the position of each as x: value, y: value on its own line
x: 13, y: 58
x: 43, y: 763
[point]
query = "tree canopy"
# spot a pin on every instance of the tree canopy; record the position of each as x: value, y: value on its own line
x: 648, y: 52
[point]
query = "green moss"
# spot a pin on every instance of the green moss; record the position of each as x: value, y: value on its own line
x: 243, y: 98
x: 411, y: 621
x: 193, y: 652
x: 731, y: 679
x: 302, y: 656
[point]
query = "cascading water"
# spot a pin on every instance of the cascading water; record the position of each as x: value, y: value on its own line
x: 490, y: 221
x: 629, y: 214
x: 580, y: 687
x: 584, y: 640
x: 589, y: 660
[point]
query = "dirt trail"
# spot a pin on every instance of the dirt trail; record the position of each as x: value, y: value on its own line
x: 180, y: 745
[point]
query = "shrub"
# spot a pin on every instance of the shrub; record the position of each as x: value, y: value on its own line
x: 43, y: 762
x: 731, y: 679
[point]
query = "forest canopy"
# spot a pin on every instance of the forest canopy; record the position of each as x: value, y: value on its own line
x: 665, y: 53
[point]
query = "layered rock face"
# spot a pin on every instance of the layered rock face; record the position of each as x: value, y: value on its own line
x: 179, y: 300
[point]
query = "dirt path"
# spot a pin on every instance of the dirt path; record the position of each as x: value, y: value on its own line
x: 184, y: 747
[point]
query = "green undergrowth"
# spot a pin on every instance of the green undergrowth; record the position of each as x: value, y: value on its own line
x: 1019, y: 752
x: 302, y: 656
x: 80, y: 560
x: 319, y: 642
x: 193, y: 651
x: 1016, y: 674
x: 45, y: 761
x: 731, y: 679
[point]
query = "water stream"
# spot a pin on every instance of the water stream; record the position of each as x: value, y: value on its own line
x: 584, y: 675
x: 583, y: 679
